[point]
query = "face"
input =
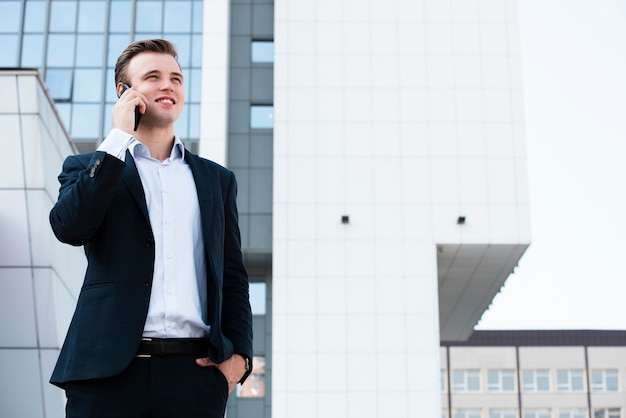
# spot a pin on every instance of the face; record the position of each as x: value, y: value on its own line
x: 158, y: 77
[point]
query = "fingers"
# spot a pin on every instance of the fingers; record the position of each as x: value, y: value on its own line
x: 205, y: 362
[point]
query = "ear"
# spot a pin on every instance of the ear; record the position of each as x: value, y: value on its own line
x: 119, y: 88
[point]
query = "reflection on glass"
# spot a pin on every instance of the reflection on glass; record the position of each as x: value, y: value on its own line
x: 32, y: 50
x: 59, y: 82
x: 254, y: 386
x: 62, y: 16
x: 87, y: 85
x: 85, y: 121
x: 262, y: 51
x: 196, y: 26
x: 10, y: 16
x: 261, y: 117
x: 34, y: 16
x: 60, y: 50
x: 149, y: 16
x: 177, y: 16
x: 89, y: 50
x: 91, y: 16
x: 119, y: 20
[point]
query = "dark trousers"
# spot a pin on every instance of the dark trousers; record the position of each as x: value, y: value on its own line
x: 155, y: 387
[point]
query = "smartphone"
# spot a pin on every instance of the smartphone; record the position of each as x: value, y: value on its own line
x: 137, y: 112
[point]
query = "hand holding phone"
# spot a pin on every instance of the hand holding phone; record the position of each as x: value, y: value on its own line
x: 137, y: 112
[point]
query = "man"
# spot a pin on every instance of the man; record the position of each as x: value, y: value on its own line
x: 162, y: 326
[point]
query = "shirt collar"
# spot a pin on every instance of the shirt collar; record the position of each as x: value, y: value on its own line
x: 137, y: 149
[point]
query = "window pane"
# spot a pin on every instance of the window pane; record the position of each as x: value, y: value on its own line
x: 63, y: 16
x: 149, y: 16
x: 194, y: 122
x: 85, y: 121
x: 60, y: 50
x: 258, y: 298
x: 91, y: 16
x: 183, y: 43
x: 262, y: 51
x: 261, y: 117
x: 8, y: 57
x: 35, y: 14
x: 196, y: 26
x: 87, y: 86
x: 196, y: 51
x: 32, y: 51
x: 120, y: 17
x: 117, y: 44
x: 59, y: 82
x: 10, y: 17
x: 177, y: 17
x: 89, y: 50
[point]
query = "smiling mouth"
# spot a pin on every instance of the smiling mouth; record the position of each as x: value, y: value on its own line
x: 168, y: 101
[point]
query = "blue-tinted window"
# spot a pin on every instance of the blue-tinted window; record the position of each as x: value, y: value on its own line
x: 85, y: 121
x: 110, y: 93
x: 196, y: 26
x: 65, y: 111
x: 149, y: 16
x: 91, y: 16
x: 258, y: 298
x: 262, y: 51
x: 177, y: 17
x: 32, y: 51
x: 261, y: 117
x: 194, y: 117
x: 10, y: 17
x: 194, y: 84
x: 89, y: 50
x: 62, y: 16
x: 35, y: 16
x: 59, y: 82
x: 119, y: 19
x: 60, y: 50
x: 182, y: 43
x: 117, y: 43
x: 87, y: 85
x: 106, y: 126
x: 8, y: 57
x: 181, y: 126
x: 196, y: 51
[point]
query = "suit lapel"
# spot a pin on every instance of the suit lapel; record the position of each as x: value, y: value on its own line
x: 133, y: 182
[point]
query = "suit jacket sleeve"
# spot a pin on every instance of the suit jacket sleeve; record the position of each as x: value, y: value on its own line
x: 236, y: 312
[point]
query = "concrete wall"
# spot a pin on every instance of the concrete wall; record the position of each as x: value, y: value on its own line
x: 39, y: 277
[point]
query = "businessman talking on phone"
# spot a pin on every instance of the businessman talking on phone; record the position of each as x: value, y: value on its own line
x: 162, y: 326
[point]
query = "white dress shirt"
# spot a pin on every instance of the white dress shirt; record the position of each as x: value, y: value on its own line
x: 178, y: 300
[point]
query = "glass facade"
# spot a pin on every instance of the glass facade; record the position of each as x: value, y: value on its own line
x: 75, y: 43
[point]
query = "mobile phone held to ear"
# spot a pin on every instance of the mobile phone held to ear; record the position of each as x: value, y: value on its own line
x: 137, y: 112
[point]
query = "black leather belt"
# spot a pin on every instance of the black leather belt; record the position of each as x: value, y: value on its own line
x: 173, y: 347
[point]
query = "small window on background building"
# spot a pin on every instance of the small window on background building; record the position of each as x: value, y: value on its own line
x: 465, y: 380
x: 535, y: 380
x: 570, y: 380
x: 537, y: 413
x: 607, y: 413
x: 501, y: 380
x: 254, y: 386
x: 604, y: 381
x: 262, y: 51
x: 261, y: 117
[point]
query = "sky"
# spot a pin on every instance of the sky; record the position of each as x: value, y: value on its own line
x: 573, y: 276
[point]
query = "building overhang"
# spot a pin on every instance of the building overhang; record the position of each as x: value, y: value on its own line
x: 469, y: 276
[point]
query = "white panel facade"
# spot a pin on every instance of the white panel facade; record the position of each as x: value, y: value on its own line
x: 39, y: 278
x: 402, y: 116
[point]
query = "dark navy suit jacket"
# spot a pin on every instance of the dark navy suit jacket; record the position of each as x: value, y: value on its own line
x: 102, y: 207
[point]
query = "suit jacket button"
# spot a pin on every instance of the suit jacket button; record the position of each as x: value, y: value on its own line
x: 145, y: 282
x: 149, y: 243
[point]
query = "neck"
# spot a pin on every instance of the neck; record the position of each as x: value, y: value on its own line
x: 159, y: 141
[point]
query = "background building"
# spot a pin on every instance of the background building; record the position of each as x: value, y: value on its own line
x: 380, y: 154
x: 535, y: 374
